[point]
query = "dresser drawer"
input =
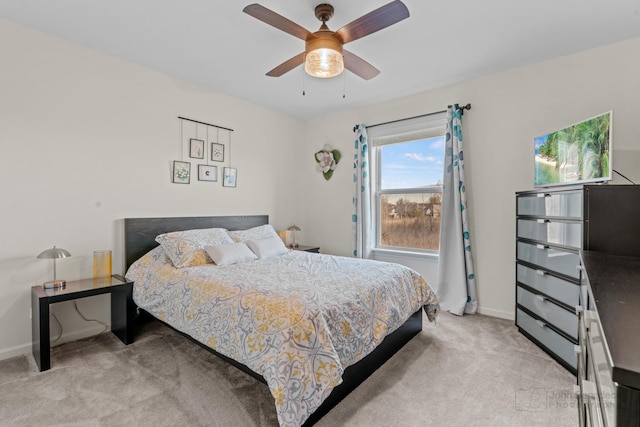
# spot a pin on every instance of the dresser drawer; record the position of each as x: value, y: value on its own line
x: 555, y: 342
x: 563, y: 291
x: 558, y: 260
x: 568, y: 205
x: 559, y: 317
x: 582, y: 375
x: 549, y: 231
x: 600, y: 367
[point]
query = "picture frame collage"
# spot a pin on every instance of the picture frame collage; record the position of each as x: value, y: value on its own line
x: 209, y: 151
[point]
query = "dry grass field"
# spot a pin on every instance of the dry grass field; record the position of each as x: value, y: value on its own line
x: 422, y: 232
x: 411, y: 220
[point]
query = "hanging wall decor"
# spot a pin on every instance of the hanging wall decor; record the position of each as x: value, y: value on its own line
x: 196, y: 148
x: 230, y: 177
x: 191, y: 145
x: 217, y: 152
x: 181, y: 172
x: 326, y: 160
x: 207, y: 173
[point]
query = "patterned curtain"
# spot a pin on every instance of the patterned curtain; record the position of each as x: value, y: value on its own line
x: 456, y: 287
x: 361, y: 219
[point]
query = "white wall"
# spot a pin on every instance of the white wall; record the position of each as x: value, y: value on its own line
x: 508, y: 110
x: 86, y: 140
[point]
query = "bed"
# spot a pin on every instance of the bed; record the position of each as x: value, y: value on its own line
x: 290, y: 320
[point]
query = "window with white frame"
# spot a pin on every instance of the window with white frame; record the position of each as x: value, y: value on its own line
x: 407, y: 166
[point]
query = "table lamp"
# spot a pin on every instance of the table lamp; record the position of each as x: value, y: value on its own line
x: 54, y: 253
x: 293, y: 229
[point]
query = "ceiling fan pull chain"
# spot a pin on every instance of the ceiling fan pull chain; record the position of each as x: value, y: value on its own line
x: 344, y: 85
x: 303, y: 91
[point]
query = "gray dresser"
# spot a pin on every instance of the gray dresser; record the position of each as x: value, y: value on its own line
x: 552, y: 226
x: 549, y: 231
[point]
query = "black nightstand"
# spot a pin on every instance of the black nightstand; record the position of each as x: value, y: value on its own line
x: 314, y: 249
x: 122, y: 310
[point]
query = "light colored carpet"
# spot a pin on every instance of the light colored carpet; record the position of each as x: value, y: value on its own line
x: 464, y: 371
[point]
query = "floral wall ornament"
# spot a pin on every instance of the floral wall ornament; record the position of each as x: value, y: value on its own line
x: 326, y: 160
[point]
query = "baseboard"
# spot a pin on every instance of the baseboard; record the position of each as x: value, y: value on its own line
x: 509, y: 315
x: 78, y: 335
x: 19, y: 350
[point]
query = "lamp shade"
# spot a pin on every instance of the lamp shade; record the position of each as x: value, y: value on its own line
x: 293, y: 229
x: 324, y: 63
x: 323, y: 55
x: 54, y: 253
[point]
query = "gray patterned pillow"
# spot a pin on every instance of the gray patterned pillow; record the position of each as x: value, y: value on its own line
x: 186, y: 248
x: 255, y: 233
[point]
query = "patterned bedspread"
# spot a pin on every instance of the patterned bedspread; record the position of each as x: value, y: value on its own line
x: 298, y: 319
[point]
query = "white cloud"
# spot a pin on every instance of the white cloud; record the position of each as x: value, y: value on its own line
x: 421, y: 157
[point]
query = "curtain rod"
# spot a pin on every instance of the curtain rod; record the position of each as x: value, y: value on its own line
x: 464, y: 107
x: 203, y: 123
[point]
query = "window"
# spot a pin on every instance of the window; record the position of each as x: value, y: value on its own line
x: 407, y: 183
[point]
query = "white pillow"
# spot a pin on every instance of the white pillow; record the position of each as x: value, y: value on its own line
x: 231, y: 253
x: 267, y: 248
x: 255, y: 233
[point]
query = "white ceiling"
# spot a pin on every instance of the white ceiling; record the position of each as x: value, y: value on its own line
x: 215, y: 44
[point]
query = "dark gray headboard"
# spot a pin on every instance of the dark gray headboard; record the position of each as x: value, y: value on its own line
x: 140, y: 233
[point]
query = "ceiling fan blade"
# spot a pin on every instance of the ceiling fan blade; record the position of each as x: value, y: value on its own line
x: 280, y: 22
x: 359, y: 66
x: 374, y: 21
x: 287, y: 66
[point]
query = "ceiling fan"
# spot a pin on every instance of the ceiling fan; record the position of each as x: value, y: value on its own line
x: 324, y: 55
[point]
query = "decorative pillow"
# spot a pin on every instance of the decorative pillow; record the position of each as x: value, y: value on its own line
x: 186, y: 248
x: 255, y: 233
x: 267, y: 248
x: 230, y: 253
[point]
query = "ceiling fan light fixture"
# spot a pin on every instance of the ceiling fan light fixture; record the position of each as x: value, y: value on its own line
x: 323, y: 58
x: 324, y: 63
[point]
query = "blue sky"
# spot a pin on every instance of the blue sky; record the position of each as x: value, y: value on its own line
x: 412, y: 164
x: 540, y: 141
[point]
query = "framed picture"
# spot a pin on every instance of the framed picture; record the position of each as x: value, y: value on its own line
x: 229, y: 177
x: 207, y: 173
x: 217, y: 152
x: 196, y: 148
x: 181, y: 172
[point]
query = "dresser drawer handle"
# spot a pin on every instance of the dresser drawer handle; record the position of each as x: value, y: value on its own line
x: 542, y: 246
x: 541, y: 272
x: 542, y: 221
x: 541, y: 324
x: 541, y: 298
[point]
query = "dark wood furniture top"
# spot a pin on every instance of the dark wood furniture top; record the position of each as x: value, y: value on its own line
x: 122, y: 310
x: 611, y: 219
x: 615, y: 285
x: 305, y: 248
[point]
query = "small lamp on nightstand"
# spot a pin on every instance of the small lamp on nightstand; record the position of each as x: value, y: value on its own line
x: 293, y: 229
x: 54, y: 253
